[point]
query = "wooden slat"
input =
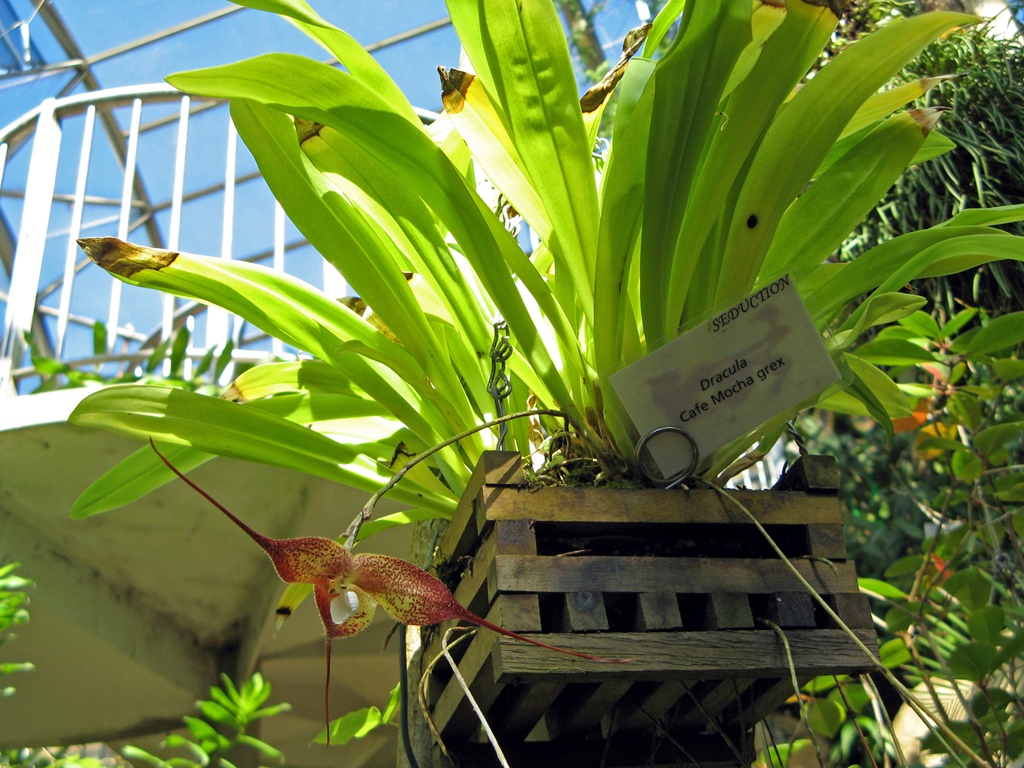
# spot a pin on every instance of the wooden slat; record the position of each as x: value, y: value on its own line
x: 728, y: 610
x: 452, y: 713
x: 582, y: 714
x: 826, y: 541
x: 657, y: 611
x: 712, y: 696
x: 584, y: 612
x: 854, y: 610
x: 520, y: 709
x: 817, y: 474
x: 495, y: 469
x: 524, y: 573
x: 507, y: 536
x: 681, y: 655
x: 637, y: 712
x: 768, y: 696
x: 791, y: 610
x: 702, y: 751
x: 612, y: 505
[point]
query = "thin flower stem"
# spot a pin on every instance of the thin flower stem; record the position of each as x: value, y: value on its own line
x: 804, y: 716
x: 856, y: 724
x: 882, y: 715
x: 367, y: 511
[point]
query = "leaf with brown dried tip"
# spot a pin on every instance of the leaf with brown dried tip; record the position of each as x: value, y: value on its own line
x: 124, y: 259
x: 597, y: 95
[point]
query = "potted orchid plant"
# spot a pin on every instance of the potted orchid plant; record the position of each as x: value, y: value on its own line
x: 726, y: 168
x: 723, y: 172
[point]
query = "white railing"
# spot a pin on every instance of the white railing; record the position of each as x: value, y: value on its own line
x: 150, y: 165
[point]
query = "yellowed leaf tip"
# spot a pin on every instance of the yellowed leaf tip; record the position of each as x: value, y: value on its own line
x: 927, y: 117
x: 125, y: 259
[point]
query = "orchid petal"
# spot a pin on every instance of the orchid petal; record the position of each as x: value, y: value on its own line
x: 409, y: 594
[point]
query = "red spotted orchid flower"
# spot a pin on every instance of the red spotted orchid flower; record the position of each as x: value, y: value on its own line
x: 347, y: 587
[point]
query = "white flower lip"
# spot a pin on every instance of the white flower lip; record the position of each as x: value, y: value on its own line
x: 344, y: 606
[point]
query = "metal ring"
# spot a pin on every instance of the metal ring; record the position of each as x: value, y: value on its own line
x: 679, y: 477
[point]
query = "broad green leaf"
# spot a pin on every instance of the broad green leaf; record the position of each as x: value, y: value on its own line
x: 973, y: 661
x: 987, y: 217
x: 296, y: 88
x: 270, y: 379
x: 529, y: 75
x: 878, y: 391
x: 621, y: 208
x: 881, y: 588
x: 935, y: 145
x: 1014, y: 493
x: 987, y: 623
x: 134, y: 477
x: 787, y: 55
x: 888, y: 101
x: 971, y: 587
x: 903, y: 566
x: 888, y: 267
x: 1008, y: 369
x: 765, y: 20
x: 896, y: 352
x: 838, y: 200
x: 899, y: 618
x: 826, y: 716
x: 894, y: 653
x: 923, y: 324
x: 999, y: 334
x: 354, y: 725
x: 661, y: 25
x: 382, y: 523
x: 476, y: 120
x: 966, y: 465
x: 991, y: 439
x: 347, y: 236
x: 689, y: 82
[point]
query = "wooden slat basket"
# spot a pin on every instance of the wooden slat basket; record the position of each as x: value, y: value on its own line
x: 680, y: 582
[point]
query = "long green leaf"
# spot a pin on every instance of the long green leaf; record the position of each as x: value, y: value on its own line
x: 801, y: 136
x: 133, y: 478
x: 347, y: 236
x: 784, y: 60
x: 353, y: 56
x: 530, y: 76
x: 689, y: 83
x: 889, y: 266
x: 291, y: 84
x: 622, y: 197
x: 229, y: 429
x: 824, y: 215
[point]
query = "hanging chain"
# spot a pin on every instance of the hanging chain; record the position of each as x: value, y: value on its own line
x: 499, y: 386
x: 801, y: 442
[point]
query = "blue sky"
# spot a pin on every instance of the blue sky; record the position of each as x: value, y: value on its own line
x: 101, y: 25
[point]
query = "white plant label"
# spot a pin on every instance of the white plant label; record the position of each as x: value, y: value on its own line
x: 721, y: 379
